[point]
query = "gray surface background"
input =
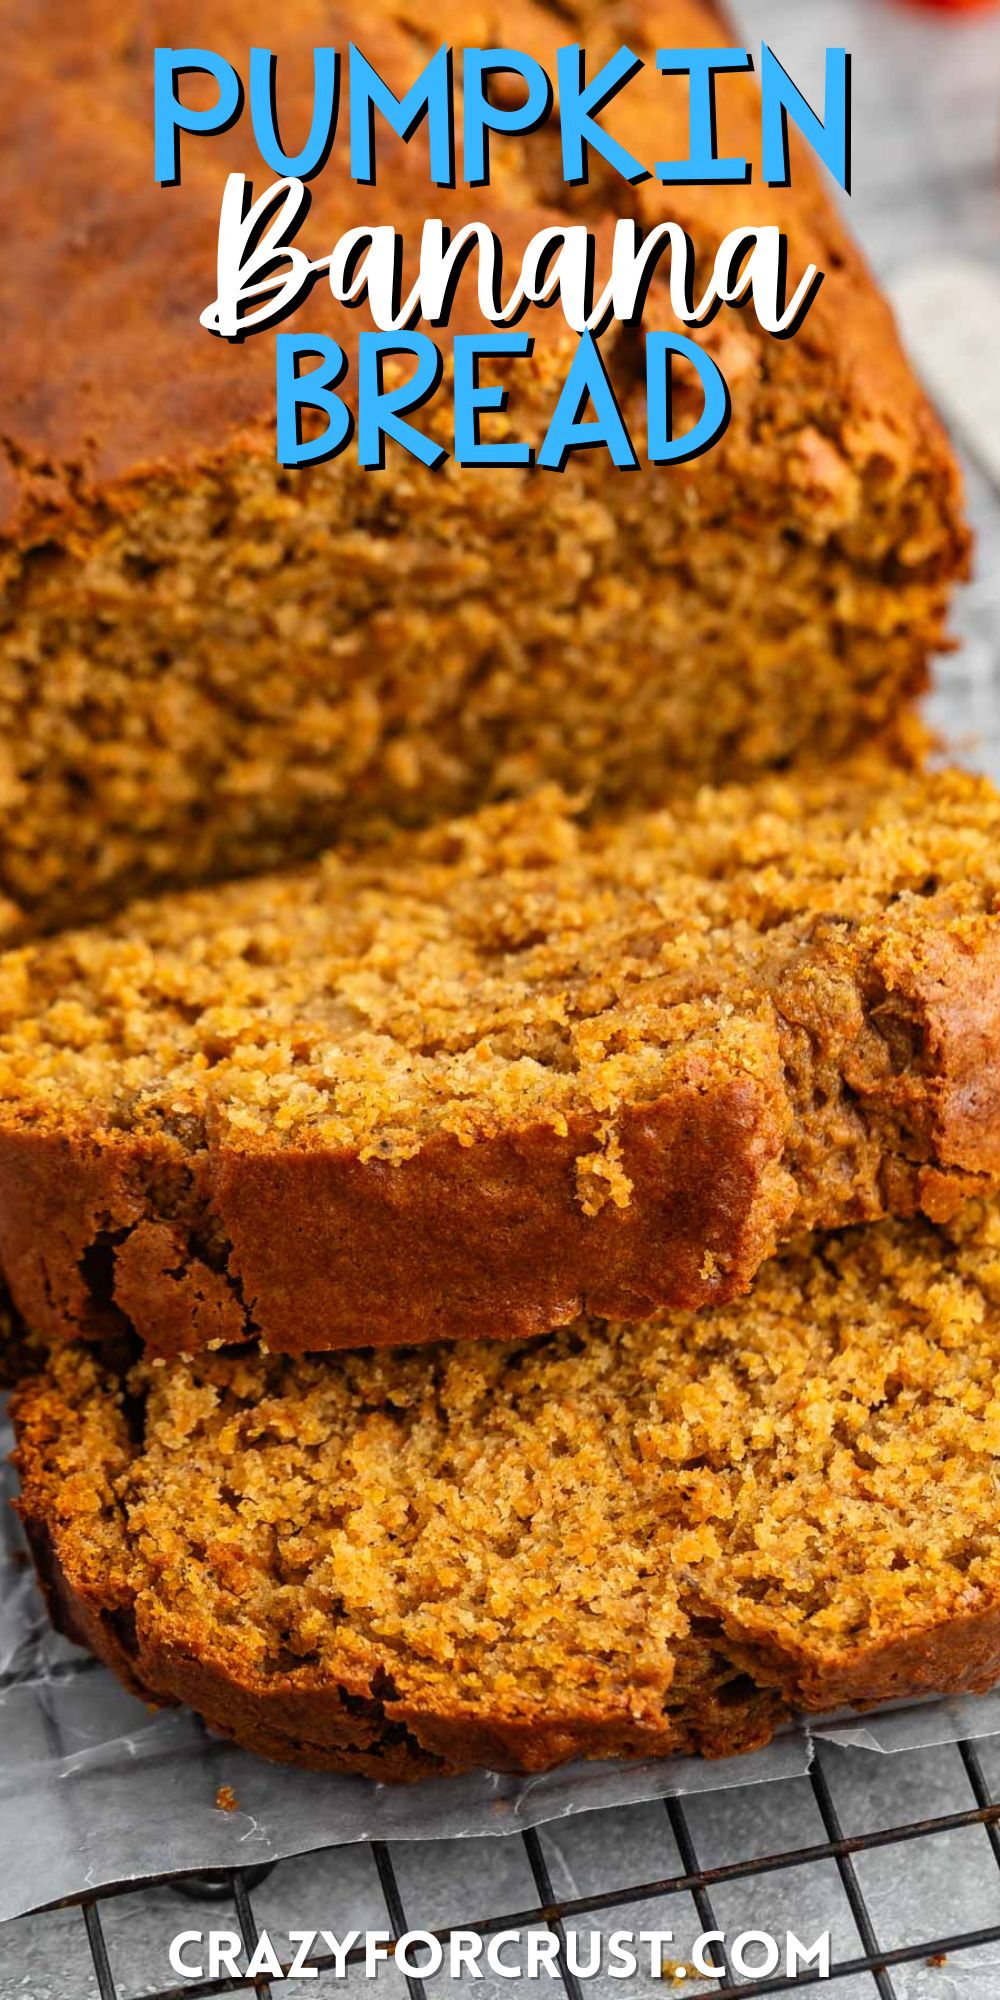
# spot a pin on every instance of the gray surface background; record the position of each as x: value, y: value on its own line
x: 926, y: 178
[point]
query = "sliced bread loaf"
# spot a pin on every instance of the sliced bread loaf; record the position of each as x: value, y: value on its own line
x: 485, y: 1078
x: 613, y: 1540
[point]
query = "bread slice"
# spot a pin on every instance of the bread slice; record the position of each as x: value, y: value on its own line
x: 209, y: 663
x: 614, y: 1540
x: 487, y: 1077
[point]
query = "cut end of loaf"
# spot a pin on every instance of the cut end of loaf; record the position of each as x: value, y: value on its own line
x: 209, y: 663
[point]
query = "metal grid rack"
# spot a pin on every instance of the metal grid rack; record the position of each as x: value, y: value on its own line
x: 873, y: 1968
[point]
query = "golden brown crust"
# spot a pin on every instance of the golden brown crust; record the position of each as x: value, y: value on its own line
x: 95, y: 430
x: 506, y: 1072
x: 459, y: 1242
x: 467, y: 1242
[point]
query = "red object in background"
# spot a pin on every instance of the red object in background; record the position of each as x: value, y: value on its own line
x: 958, y: 6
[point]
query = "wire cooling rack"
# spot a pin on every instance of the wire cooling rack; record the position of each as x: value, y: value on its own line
x: 847, y: 1864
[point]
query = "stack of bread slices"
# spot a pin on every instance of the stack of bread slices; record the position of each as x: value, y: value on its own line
x: 499, y: 1020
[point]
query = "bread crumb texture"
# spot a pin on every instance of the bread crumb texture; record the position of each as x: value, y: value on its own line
x: 513, y: 965
x: 616, y: 1539
x: 691, y: 1031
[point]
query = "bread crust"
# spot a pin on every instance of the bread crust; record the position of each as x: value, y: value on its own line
x: 89, y: 443
x: 459, y: 1242
x: 308, y: 1249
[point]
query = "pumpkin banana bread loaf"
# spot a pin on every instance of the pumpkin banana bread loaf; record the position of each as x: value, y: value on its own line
x: 209, y: 664
x: 494, y: 1074
x: 613, y: 1540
